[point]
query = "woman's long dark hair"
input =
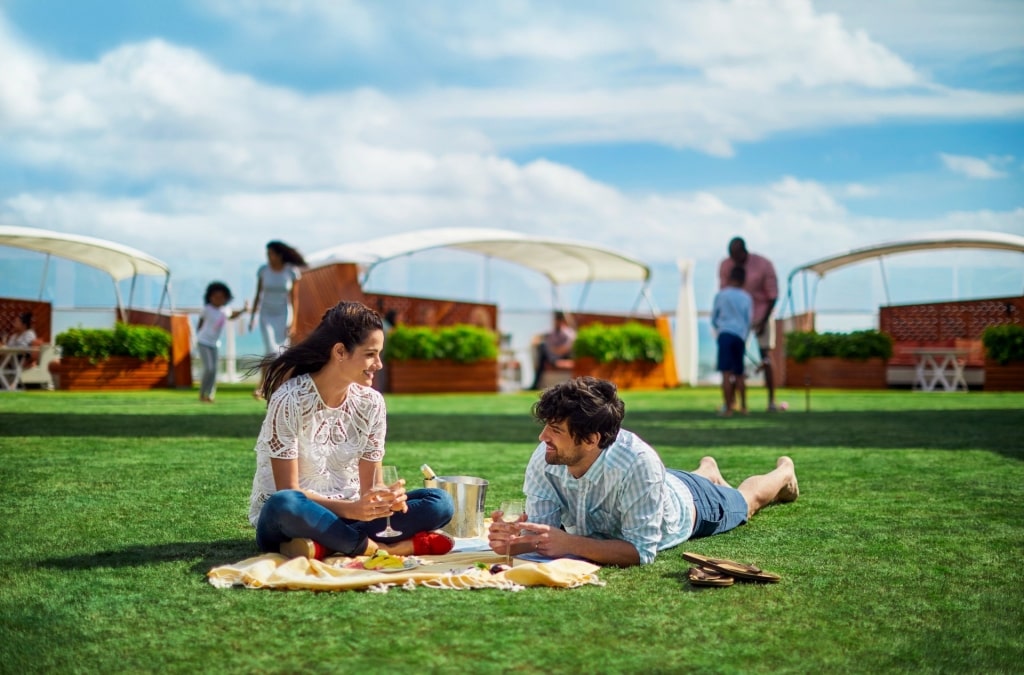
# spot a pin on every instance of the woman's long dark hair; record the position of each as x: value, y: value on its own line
x: 349, y: 323
x: 289, y: 255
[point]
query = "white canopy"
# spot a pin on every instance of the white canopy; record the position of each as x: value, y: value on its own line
x: 938, y: 240
x: 119, y: 261
x: 951, y: 239
x: 561, y: 261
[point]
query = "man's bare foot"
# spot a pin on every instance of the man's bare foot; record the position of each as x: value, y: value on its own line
x: 791, y: 490
x: 708, y: 468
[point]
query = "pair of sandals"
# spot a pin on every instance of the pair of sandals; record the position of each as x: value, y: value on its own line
x: 722, y: 572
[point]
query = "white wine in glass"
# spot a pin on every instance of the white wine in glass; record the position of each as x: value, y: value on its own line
x: 511, y: 509
x: 385, y: 477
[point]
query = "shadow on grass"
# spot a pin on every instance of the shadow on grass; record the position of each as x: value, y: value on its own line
x: 209, y: 554
x: 130, y: 426
x: 997, y: 430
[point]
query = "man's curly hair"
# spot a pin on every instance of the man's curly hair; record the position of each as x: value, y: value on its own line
x: 587, y: 405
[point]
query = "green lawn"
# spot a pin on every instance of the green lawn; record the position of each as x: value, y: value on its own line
x: 902, y: 554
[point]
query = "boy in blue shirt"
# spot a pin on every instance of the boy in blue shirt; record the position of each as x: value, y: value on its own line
x: 731, y: 315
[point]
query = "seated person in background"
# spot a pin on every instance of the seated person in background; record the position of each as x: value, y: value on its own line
x: 23, y: 337
x: 557, y: 345
x: 597, y: 491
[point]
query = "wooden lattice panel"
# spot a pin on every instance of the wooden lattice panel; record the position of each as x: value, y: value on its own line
x: 945, y: 322
x: 41, y: 316
x: 322, y: 288
x: 433, y: 312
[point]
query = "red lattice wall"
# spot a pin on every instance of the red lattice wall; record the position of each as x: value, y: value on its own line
x: 323, y: 287
x: 41, y: 316
x: 944, y: 322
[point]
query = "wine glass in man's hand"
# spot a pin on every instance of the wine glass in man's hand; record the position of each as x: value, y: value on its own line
x: 511, y: 510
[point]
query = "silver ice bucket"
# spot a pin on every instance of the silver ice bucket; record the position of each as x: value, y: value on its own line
x: 468, y: 493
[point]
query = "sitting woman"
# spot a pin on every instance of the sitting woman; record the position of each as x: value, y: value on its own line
x: 321, y: 444
x: 23, y: 337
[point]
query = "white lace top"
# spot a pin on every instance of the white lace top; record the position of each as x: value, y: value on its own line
x: 327, y: 442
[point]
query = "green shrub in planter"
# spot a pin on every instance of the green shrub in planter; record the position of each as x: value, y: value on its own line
x: 411, y: 343
x: 461, y: 343
x: 96, y: 344
x: 1004, y: 343
x: 859, y: 345
x: 628, y: 342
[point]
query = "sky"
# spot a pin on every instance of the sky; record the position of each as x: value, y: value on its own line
x: 198, y: 130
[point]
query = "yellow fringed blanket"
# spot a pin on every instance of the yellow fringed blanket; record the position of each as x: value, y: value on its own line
x: 455, y: 571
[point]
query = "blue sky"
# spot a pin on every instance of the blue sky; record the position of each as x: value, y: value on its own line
x: 198, y: 130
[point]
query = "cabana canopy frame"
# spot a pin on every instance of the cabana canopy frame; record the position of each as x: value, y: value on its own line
x: 972, y: 239
x: 119, y: 261
x: 560, y: 261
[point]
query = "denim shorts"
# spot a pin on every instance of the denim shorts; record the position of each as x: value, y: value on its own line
x: 719, y: 508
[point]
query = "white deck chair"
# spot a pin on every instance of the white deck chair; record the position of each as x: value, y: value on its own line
x: 40, y: 373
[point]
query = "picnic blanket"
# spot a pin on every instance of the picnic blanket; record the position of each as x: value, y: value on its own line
x: 454, y: 571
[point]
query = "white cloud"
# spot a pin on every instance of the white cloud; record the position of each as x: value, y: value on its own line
x: 700, y: 116
x: 320, y: 22
x: 221, y: 162
x: 154, y: 109
x: 20, y: 78
x: 976, y: 167
x: 858, y: 191
x: 941, y: 28
x: 760, y: 45
x: 202, y: 235
x: 752, y: 45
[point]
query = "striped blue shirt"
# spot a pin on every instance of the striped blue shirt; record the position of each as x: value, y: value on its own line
x: 626, y: 494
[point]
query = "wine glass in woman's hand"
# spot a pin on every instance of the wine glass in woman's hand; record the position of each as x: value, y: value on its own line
x: 384, y: 477
x: 511, y: 510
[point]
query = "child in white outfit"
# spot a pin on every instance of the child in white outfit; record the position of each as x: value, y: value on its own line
x: 211, y: 325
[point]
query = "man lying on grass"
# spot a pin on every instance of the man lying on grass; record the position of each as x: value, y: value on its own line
x: 596, y: 491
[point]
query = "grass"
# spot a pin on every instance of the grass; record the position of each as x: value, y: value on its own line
x: 902, y: 554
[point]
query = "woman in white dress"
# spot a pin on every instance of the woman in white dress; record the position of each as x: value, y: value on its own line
x: 276, y: 301
x: 321, y: 443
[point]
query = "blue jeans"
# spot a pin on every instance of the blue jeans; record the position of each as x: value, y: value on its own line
x: 289, y: 514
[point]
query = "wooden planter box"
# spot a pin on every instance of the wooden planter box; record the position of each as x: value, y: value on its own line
x: 116, y: 372
x: 836, y: 373
x: 625, y: 374
x: 442, y: 375
x: 1004, y: 378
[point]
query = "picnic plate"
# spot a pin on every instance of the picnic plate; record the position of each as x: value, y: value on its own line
x: 407, y: 564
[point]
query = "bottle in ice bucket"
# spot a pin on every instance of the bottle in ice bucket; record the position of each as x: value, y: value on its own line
x: 429, y: 477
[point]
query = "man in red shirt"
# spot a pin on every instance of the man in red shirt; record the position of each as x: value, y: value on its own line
x: 763, y: 286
